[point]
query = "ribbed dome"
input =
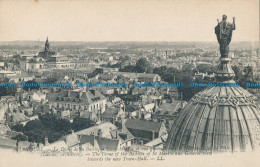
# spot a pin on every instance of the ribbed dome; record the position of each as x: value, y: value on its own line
x: 218, y: 119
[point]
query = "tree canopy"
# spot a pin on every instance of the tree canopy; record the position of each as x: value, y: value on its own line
x: 50, y: 126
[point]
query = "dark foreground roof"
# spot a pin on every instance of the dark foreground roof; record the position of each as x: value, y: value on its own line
x: 143, y: 125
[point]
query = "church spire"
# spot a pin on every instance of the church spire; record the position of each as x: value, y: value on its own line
x: 47, y: 45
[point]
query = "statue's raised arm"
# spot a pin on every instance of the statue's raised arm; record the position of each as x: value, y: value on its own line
x: 234, y: 25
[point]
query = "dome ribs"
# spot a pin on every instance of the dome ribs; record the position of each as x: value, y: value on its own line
x: 218, y: 119
x: 256, y: 113
x: 176, y: 126
x: 235, y: 130
x: 257, y: 125
x: 246, y: 136
x: 222, y: 133
x: 202, y: 125
x: 182, y: 128
x: 236, y: 92
x: 209, y: 130
x: 231, y: 129
x: 191, y: 128
x: 252, y: 124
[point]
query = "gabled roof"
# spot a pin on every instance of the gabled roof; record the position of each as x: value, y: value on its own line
x: 7, y: 143
x: 19, y: 117
x: 58, y: 144
x: 86, y: 98
x: 157, y: 141
x: 4, y: 129
x: 90, y: 115
x: 110, y: 112
x: 107, y: 144
x: 169, y: 107
x: 148, y: 107
x: 72, y: 140
x: 135, y: 75
x: 103, y: 143
x: 105, y: 127
x: 87, y: 139
x: 138, y: 124
x: 107, y: 76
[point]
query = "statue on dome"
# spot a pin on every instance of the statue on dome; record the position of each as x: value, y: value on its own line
x: 224, y: 34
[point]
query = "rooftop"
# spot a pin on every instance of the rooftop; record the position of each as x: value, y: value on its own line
x: 143, y: 125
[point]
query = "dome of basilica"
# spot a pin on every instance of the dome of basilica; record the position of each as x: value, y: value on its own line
x: 220, y: 118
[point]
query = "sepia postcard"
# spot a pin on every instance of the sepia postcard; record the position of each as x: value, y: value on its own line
x: 129, y: 83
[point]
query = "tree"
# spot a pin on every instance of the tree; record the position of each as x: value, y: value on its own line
x: 20, y: 137
x: 52, y: 123
x: 63, y: 126
x: 248, y: 73
x: 124, y: 58
x: 129, y: 68
x: 35, y: 131
x: 160, y: 70
x: 36, y: 85
x: 32, y: 125
x: 143, y: 65
x: 81, y: 123
x: 248, y: 76
x: 6, y: 91
x: 205, y: 68
x: 238, y: 73
x: 17, y: 127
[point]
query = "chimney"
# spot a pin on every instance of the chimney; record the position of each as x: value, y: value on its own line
x: 46, y: 141
x: 80, y: 93
x: 116, y: 134
x: 123, y: 125
x: 155, y: 107
x: 94, y: 139
x: 69, y: 93
x: 18, y: 146
x: 113, y: 120
x: 100, y: 133
x: 153, y: 134
x: 173, y: 99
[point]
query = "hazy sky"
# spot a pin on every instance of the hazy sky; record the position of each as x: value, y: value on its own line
x: 125, y: 20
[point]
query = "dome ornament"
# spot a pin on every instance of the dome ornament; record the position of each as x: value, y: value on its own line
x: 213, y: 101
x: 233, y: 101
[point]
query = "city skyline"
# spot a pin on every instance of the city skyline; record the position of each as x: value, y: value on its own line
x: 125, y: 20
